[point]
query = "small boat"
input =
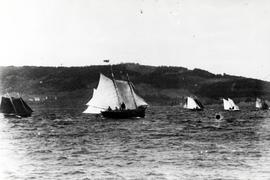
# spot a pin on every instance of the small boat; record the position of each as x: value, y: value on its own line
x: 116, y: 99
x: 193, y: 104
x: 229, y: 105
x: 14, y: 107
x: 261, y: 104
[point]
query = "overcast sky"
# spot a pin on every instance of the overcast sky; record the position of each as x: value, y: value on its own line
x: 231, y: 36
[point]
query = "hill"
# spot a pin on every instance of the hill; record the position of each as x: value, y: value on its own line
x: 158, y: 85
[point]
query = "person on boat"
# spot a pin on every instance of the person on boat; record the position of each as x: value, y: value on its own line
x: 116, y: 108
x: 109, y: 108
x: 123, y: 106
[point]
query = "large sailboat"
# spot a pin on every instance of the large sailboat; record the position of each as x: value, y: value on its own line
x: 261, y: 104
x: 193, y: 104
x: 116, y: 99
x: 14, y: 107
x: 229, y: 105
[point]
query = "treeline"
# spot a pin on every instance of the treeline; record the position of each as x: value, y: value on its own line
x: 163, y: 83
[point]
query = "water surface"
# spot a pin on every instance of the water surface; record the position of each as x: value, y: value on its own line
x: 170, y: 143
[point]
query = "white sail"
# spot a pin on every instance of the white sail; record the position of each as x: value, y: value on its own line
x: 139, y: 100
x: 230, y: 105
x: 110, y: 94
x: 258, y: 103
x: 104, y: 96
x: 93, y: 96
x: 226, y: 104
x: 234, y: 106
x: 92, y: 110
x: 191, y: 104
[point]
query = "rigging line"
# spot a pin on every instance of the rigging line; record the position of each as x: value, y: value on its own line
x: 12, y: 103
x: 132, y: 93
x: 116, y: 88
x: 97, y: 107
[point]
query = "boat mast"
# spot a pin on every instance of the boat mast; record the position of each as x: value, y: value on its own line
x: 132, y: 93
x: 115, y: 86
x: 12, y: 103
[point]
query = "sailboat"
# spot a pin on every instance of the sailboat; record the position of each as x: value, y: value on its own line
x: 116, y: 99
x: 14, y: 107
x: 193, y: 104
x: 261, y: 104
x: 229, y: 105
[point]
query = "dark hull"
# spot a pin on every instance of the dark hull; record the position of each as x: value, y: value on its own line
x: 124, y: 114
x: 264, y: 107
x: 194, y: 109
x: 232, y: 110
x: 16, y: 115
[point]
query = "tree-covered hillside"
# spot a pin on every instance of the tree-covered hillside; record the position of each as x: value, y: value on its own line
x: 156, y: 84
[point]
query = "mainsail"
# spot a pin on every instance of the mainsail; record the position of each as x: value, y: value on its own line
x: 192, y: 104
x: 111, y: 93
x: 226, y: 104
x: 125, y: 94
x: 234, y: 106
x: 104, y: 96
x: 7, y: 106
x: 258, y: 103
x: 230, y: 105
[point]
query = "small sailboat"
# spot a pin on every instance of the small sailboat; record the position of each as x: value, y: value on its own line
x: 193, y: 104
x: 14, y: 107
x: 229, y: 105
x: 261, y: 104
x: 116, y: 99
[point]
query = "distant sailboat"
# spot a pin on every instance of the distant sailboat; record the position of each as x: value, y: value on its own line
x: 229, y: 105
x: 15, y: 106
x: 116, y: 99
x: 261, y: 104
x: 193, y: 104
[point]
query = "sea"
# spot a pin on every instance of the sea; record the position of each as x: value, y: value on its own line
x: 61, y: 143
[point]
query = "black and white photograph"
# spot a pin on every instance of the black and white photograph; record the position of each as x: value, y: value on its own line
x: 134, y: 90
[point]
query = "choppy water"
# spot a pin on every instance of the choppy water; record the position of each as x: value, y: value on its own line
x: 170, y: 143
